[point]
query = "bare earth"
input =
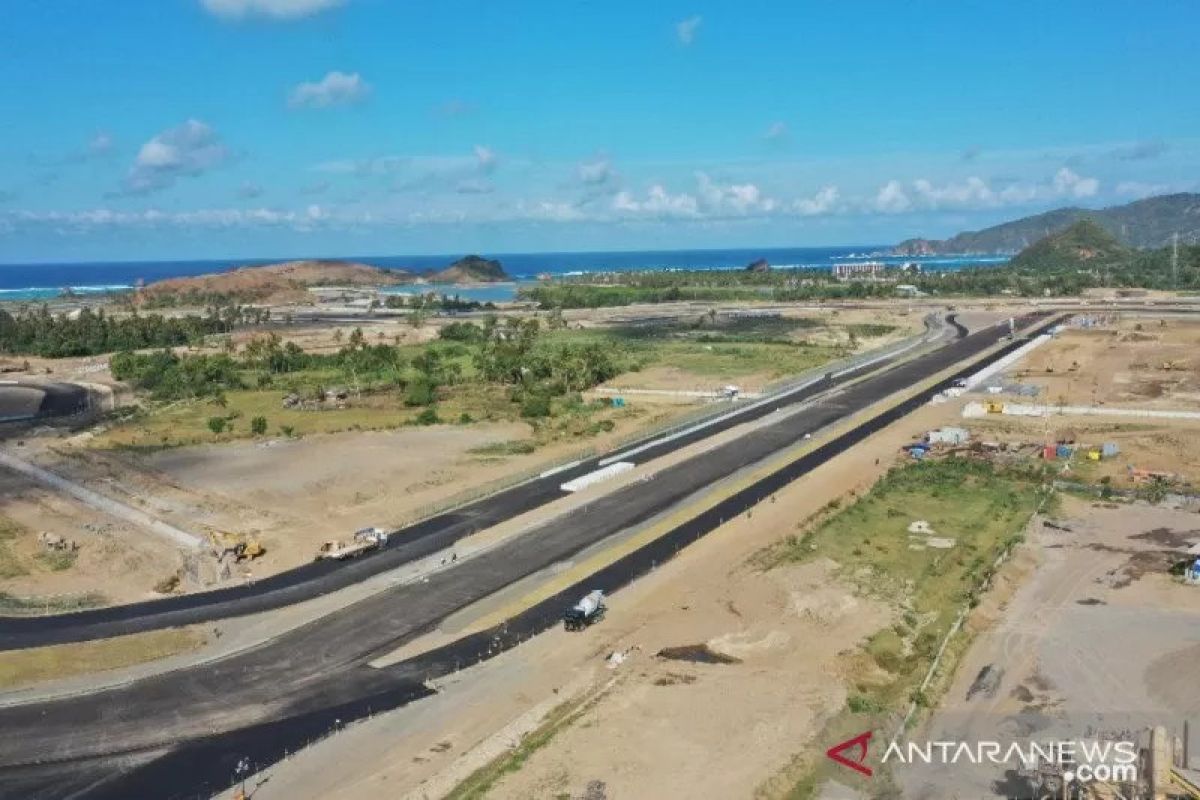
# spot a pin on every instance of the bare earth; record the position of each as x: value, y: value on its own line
x: 1098, y: 640
x: 664, y: 728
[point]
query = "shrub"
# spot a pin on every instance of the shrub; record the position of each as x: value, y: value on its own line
x: 258, y: 426
x: 428, y: 417
x: 419, y: 393
x: 216, y: 424
x: 535, y: 405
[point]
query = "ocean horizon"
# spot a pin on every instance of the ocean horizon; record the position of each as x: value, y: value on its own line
x: 47, y: 281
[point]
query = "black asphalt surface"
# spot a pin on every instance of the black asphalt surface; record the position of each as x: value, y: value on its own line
x: 413, y: 542
x: 22, y: 400
x: 179, y: 735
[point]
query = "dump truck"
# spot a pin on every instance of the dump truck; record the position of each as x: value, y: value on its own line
x: 588, y: 610
x: 366, y: 540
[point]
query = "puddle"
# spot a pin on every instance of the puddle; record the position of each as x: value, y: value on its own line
x: 697, y: 654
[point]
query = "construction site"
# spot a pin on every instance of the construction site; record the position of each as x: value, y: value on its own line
x: 868, y: 580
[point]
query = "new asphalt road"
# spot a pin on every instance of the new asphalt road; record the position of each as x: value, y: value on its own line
x: 416, y: 541
x: 181, y: 734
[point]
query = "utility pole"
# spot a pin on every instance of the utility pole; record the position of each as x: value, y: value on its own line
x: 1175, y: 261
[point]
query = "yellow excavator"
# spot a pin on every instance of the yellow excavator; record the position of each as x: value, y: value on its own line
x: 240, y: 546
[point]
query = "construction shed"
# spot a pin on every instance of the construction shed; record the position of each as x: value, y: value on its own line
x: 948, y: 435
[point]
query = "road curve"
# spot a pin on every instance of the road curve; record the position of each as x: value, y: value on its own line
x: 410, y: 543
x: 178, y: 735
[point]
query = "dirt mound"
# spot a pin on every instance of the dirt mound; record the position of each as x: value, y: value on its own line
x: 262, y: 282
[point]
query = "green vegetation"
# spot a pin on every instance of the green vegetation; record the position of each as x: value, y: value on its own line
x: 1078, y: 256
x: 58, y: 604
x: 982, y: 508
x: 479, y: 783
x: 93, y: 332
x: 10, y: 565
x: 1144, y: 223
x: 1084, y: 244
x: 38, y: 664
x: 434, y: 301
x: 570, y: 295
x: 528, y: 369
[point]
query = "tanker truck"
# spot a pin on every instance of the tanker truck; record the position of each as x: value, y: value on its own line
x: 588, y: 610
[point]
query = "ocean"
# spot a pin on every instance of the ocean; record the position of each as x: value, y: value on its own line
x: 32, y: 282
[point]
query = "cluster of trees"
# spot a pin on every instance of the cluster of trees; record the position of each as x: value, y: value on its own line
x: 89, y: 332
x: 168, y: 376
x: 569, y: 295
x: 512, y: 353
x: 194, y: 298
x: 434, y: 301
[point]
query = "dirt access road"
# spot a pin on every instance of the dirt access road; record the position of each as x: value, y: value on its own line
x: 1098, y: 642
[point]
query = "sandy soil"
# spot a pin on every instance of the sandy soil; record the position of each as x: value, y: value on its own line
x: 1123, y: 361
x: 1098, y: 640
x: 666, y: 728
x: 115, y: 558
x: 1173, y: 447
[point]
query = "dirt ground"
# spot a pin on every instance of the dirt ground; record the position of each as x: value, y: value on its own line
x: 1172, y: 447
x: 290, y: 494
x: 1098, y: 641
x: 1119, y: 361
x: 1124, y: 360
x: 664, y: 727
x: 115, y: 560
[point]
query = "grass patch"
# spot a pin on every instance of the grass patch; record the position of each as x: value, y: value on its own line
x: 10, y: 564
x: 513, y: 447
x: 38, y: 664
x: 56, y: 604
x: 481, y: 781
x: 57, y: 560
x: 983, y: 508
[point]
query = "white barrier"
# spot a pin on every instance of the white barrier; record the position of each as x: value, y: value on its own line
x: 1004, y: 363
x: 592, y: 478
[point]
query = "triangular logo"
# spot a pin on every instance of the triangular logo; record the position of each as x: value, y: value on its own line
x: 837, y: 753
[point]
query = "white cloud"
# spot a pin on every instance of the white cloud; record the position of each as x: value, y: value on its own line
x: 486, y: 159
x: 275, y: 9
x: 474, y: 187
x: 101, y: 144
x: 1140, y: 189
x: 738, y: 199
x: 1068, y: 183
x: 777, y: 132
x: 596, y: 172
x: 823, y: 202
x: 1141, y: 151
x: 976, y: 193
x: 187, y: 150
x: 892, y: 199
x: 249, y: 190
x: 658, y: 203
x: 335, y: 89
x: 686, y: 29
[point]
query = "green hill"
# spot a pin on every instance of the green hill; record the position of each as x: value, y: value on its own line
x: 1141, y: 224
x: 1083, y: 245
x: 470, y: 269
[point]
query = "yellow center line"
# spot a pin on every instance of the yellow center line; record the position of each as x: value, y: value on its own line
x: 577, y: 572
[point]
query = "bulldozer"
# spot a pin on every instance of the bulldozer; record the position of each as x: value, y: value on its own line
x: 1173, y: 366
x: 240, y: 546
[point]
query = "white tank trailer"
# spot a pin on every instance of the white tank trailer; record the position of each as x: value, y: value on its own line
x: 588, y: 610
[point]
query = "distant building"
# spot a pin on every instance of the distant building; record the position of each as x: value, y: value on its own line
x: 908, y: 290
x: 862, y: 270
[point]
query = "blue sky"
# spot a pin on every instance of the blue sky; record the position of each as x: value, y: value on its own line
x: 239, y: 128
